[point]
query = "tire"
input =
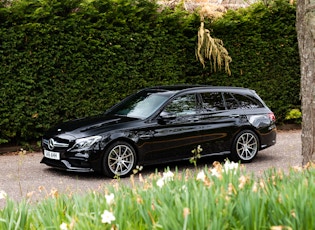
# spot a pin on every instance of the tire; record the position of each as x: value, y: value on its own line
x: 119, y: 159
x: 245, y: 146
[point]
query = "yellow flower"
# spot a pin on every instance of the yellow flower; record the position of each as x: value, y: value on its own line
x: 255, y: 188
x: 54, y: 193
x: 231, y: 189
x: 280, y: 228
x: 243, y: 180
x: 186, y: 212
x: 30, y: 194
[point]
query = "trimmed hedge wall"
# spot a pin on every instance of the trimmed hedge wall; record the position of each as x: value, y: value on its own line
x: 64, y: 59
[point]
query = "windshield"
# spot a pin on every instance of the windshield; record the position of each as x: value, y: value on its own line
x: 140, y: 105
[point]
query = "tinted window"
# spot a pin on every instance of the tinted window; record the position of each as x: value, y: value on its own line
x: 141, y: 105
x: 183, y: 105
x: 239, y: 101
x: 230, y: 101
x: 212, y: 101
x: 247, y: 102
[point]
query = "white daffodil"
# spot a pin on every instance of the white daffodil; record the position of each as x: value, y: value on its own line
x: 168, y: 176
x: 63, y: 226
x: 3, y: 195
x: 160, y: 182
x: 230, y: 166
x: 110, y: 198
x: 215, y: 172
x: 107, y: 217
x: 201, y: 176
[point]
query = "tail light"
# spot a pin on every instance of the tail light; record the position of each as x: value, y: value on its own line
x: 272, y: 117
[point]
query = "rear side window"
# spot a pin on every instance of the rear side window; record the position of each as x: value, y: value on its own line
x: 212, y: 101
x: 230, y: 101
x: 247, y: 102
x: 240, y: 101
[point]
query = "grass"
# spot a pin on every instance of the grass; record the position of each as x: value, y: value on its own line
x: 224, y: 196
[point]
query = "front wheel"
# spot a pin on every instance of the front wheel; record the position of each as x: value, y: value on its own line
x: 245, y: 146
x: 119, y: 159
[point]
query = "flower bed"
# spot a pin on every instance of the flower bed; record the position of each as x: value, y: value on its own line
x: 224, y: 196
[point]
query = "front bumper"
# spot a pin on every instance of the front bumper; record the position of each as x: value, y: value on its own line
x: 77, y: 166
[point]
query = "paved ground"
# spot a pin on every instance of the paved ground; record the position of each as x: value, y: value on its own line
x: 23, y: 175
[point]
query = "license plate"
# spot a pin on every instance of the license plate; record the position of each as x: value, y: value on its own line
x: 52, y: 155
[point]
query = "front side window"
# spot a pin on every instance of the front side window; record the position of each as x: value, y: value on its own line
x: 182, y: 105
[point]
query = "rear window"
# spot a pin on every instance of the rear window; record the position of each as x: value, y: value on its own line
x: 240, y: 101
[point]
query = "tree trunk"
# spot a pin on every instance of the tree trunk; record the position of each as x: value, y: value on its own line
x: 305, y: 25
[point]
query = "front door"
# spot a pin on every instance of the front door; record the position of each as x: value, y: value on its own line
x: 176, y: 131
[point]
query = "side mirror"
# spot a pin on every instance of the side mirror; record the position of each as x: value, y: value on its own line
x: 167, y: 116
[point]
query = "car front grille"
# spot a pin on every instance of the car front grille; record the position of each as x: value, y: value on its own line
x: 55, y: 143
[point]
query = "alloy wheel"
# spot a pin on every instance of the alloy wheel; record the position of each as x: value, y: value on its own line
x: 246, y: 146
x: 121, y: 159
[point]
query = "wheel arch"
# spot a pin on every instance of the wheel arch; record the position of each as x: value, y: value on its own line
x: 123, y: 139
x: 243, y: 128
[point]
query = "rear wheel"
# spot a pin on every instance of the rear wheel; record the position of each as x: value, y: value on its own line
x: 245, y: 146
x: 119, y: 159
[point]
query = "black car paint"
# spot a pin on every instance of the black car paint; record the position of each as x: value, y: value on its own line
x: 158, y: 140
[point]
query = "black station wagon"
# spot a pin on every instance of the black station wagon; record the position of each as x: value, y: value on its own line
x: 162, y: 124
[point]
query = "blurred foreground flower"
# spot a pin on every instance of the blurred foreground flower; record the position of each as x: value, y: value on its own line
x: 243, y: 180
x: 3, y: 195
x: 186, y: 212
x: 215, y: 172
x: 280, y: 228
x: 160, y: 182
x: 167, y: 176
x: 230, y: 167
x: 110, y: 198
x: 63, y: 226
x: 201, y: 176
x: 107, y: 217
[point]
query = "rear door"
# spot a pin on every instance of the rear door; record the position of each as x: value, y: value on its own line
x: 220, y: 119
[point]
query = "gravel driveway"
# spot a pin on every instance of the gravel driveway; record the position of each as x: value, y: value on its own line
x: 23, y: 175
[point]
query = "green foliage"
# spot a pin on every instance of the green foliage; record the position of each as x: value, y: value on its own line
x: 63, y: 59
x: 294, y: 115
x: 224, y: 196
x: 67, y: 59
x: 263, y: 45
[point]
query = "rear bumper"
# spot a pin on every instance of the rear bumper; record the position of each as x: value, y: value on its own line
x: 268, y: 139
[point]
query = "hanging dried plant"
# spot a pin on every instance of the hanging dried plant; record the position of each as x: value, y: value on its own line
x: 212, y: 49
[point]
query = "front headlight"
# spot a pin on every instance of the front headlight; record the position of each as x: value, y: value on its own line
x: 85, y: 143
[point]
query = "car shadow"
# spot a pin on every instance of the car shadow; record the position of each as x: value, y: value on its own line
x: 147, y: 170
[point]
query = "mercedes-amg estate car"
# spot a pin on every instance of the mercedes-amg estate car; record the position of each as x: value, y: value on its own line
x: 162, y: 124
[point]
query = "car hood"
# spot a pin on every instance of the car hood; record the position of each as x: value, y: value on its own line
x: 89, y: 126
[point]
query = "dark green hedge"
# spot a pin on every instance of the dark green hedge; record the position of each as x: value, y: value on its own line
x: 64, y: 59
x: 263, y: 44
